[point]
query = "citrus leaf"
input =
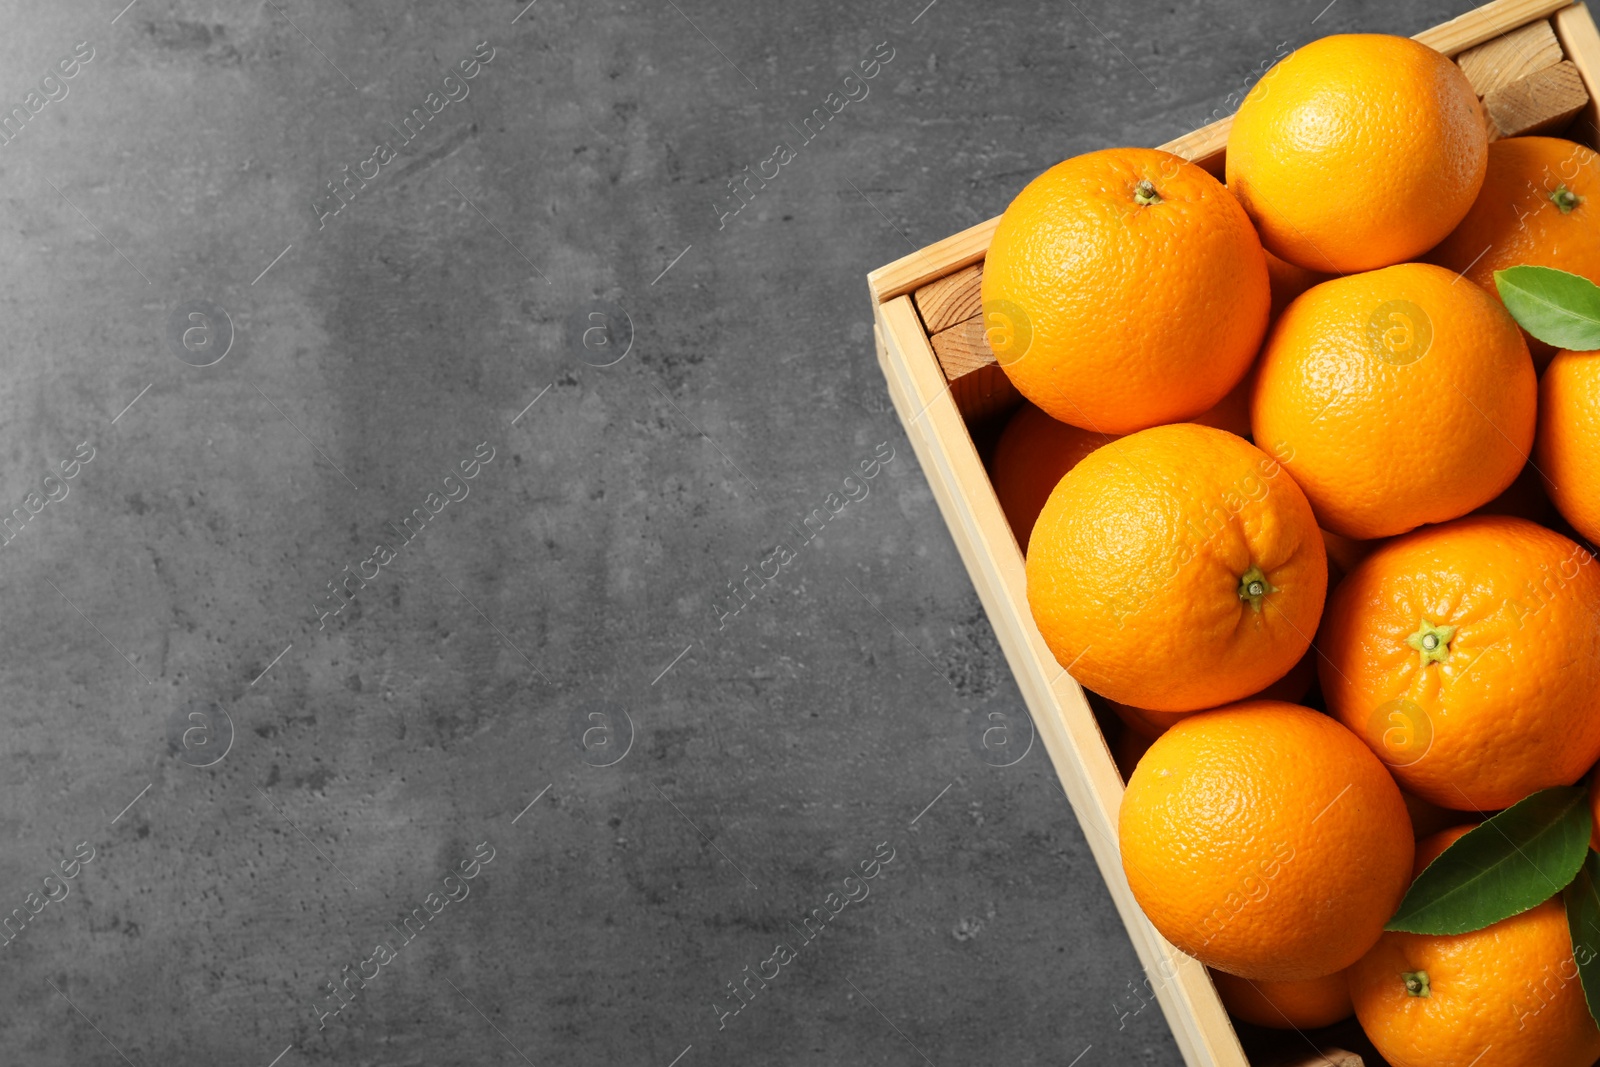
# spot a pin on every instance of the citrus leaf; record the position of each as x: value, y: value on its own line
x: 1514, y: 861
x: 1582, y: 898
x: 1558, y: 308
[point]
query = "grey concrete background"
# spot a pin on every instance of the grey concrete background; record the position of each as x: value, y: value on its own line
x: 768, y: 757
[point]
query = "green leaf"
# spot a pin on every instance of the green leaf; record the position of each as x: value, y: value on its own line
x: 1583, y: 920
x: 1558, y: 308
x: 1514, y: 861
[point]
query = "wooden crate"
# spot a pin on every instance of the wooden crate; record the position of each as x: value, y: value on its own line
x: 949, y: 394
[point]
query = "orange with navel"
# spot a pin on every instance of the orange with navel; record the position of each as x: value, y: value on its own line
x: 1537, y: 207
x: 1467, y: 656
x: 1507, y: 995
x: 1177, y: 568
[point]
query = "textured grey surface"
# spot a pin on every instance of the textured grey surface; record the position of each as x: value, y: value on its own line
x: 584, y: 570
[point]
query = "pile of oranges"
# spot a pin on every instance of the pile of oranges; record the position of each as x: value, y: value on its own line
x: 1307, y: 508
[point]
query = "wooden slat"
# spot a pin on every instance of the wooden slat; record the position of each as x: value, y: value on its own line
x: 1581, y: 41
x: 979, y: 386
x: 952, y: 299
x: 1485, y: 23
x: 963, y: 348
x: 1544, y: 100
x: 1061, y: 714
x: 935, y: 261
x: 1328, y: 1057
x: 1506, y: 59
x: 1205, y: 146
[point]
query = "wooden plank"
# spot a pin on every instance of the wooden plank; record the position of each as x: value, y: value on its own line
x: 1328, y: 1057
x: 1061, y: 714
x: 963, y: 348
x: 980, y: 387
x: 1206, y: 147
x: 1523, y: 51
x: 1575, y: 29
x: 933, y: 262
x: 1544, y: 100
x: 952, y: 299
x: 1485, y: 23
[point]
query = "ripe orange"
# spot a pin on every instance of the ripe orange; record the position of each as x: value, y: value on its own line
x: 1345, y: 553
x: 1265, y: 840
x: 1123, y: 289
x: 1537, y: 206
x: 1507, y: 995
x: 1177, y: 568
x: 1396, y: 398
x: 1525, y: 498
x: 1467, y: 656
x: 1291, y: 688
x: 1033, y: 453
x: 1568, y: 449
x: 1428, y: 818
x: 1357, y: 151
x: 1302, y: 1005
x: 1288, y: 281
x: 1232, y: 412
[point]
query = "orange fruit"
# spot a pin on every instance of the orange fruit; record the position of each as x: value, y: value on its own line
x: 1396, y: 398
x: 1265, y: 840
x: 1504, y: 996
x: 1428, y: 818
x: 1180, y: 542
x: 1288, y: 281
x: 1357, y: 151
x: 1468, y: 657
x: 1123, y: 289
x: 1303, y: 1005
x: 1232, y: 412
x: 1291, y: 688
x: 1537, y: 206
x: 1569, y: 438
x: 1344, y: 552
x: 1525, y: 497
x: 1033, y: 453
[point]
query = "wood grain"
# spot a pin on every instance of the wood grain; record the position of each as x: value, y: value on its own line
x: 962, y: 348
x: 1506, y: 59
x: 1328, y: 1057
x: 1485, y: 23
x: 1581, y: 41
x: 1544, y: 100
x: 952, y: 299
x: 979, y: 385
